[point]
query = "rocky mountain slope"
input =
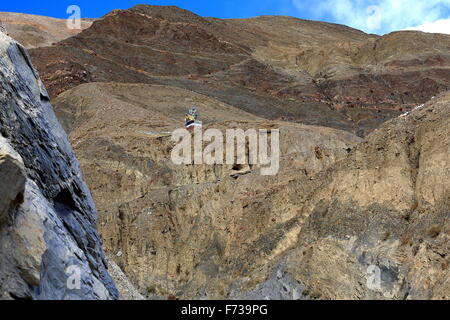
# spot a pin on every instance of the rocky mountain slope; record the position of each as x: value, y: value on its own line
x: 34, y: 31
x: 49, y: 246
x: 386, y: 208
x: 360, y: 206
x: 273, y: 67
x: 163, y: 223
x: 338, y: 206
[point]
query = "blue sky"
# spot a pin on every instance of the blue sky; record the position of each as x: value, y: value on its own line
x: 374, y: 16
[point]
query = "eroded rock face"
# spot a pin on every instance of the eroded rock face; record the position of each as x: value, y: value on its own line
x: 185, y: 230
x: 378, y: 221
x: 340, y: 212
x: 48, y: 219
x: 174, y: 229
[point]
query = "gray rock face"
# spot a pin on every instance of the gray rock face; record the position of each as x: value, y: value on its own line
x: 49, y: 246
x: 280, y: 285
x: 13, y: 183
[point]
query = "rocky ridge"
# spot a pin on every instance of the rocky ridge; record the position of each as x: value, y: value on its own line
x: 273, y: 67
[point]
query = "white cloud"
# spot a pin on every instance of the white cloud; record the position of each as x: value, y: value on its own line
x: 376, y: 16
x: 438, y: 26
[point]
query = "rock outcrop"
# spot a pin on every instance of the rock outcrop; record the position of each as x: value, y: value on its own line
x: 379, y: 221
x: 126, y: 289
x: 49, y: 246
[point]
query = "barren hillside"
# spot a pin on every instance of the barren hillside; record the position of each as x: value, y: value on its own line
x: 34, y: 31
x: 273, y: 67
x: 221, y: 231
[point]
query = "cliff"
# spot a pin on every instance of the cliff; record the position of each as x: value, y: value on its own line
x: 49, y: 246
